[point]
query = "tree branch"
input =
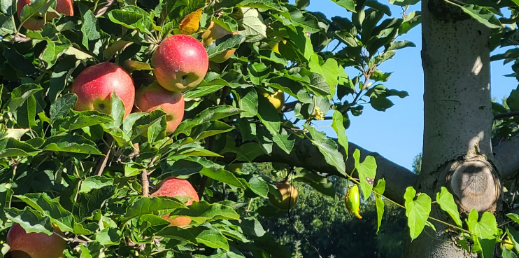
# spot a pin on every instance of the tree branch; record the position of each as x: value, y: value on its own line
x: 289, y: 106
x: 507, y: 157
x: 506, y: 115
x: 306, y: 155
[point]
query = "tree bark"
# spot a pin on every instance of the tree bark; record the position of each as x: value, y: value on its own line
x: 457, y: 119
x: 306, y: 155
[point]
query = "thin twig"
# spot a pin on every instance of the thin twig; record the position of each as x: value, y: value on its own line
x: 102, y: 165
x: 293, y: 224
x: 145, y: 183
x: 103, y: 9
x: 75, y: 240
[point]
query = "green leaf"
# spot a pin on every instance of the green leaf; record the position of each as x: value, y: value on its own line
x: 252, y: 227
x: 329, y: 70
x: 150, y: 205
x: 7, y: 7
x: 90, y: 28
x: 346, y: 4
x: 367, y: 171
x: 249, y: 151
x: 403, y: 2
x: 328, y: 148
x: 209, y: 114
x: 87, y: 203
x: 37, y: 7
x: 214, y: 128
x: 93, y: 250
x: 128, y: 19
x: 21, y: 93
x: 514, y: 217
x: 203, y: 211
x: 51, y: 208
x: 71, y: 143
x: 319, y: 85
x: 446, y: 202
x: 379, y: 203
x: 259, y: 186
x: 481, y: 14
x: 255, y: 29
x: 485, y: 228
x: 10, y: 147
x: 82, y: 119
x: 30, y: 220
x: 95, y: 182
x: 62, y: 71
x: 319, y: 183
x: 181, y: 234
x: 338, y: 127
x: 508, y: 253
x: 417, y: 211
x: 233, y: 42
x: 61, y: 107
x: 223, y: 176
x: 513, y: 100
x: 258, y: 72
x: 109, y: 237
x: 213, y: 238
x: 26, y: 113
x: 202, y: 90
x: 117, y: 111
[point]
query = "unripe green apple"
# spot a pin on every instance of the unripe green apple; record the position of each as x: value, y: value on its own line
x: 95, y: 84
x: 35, y: 245
x: 37, y: 21
x: 289, y: 197
x: 154, y: 96
x: 277, y: 99
x: 235, y: 167
x: 180, y: 63
x: 172, y: 187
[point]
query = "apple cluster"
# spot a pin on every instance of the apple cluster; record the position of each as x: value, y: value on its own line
x: 179, y: 64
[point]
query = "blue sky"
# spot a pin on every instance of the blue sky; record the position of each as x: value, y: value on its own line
x: 397, y: 133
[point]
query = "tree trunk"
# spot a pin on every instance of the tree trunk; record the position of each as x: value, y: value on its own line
x: 457, y: 151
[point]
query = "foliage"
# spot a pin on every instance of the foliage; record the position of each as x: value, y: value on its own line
x: 320, y: 221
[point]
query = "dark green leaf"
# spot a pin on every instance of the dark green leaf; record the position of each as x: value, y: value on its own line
x: 151, y: 205
x: 61, y: 107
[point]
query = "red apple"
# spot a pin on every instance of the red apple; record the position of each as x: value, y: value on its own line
x: 154, y: 96
x: 35, y: 245
x: 95, y: 84
x: 180, y: 63
x: 37, y: 21
x: 172, y: 187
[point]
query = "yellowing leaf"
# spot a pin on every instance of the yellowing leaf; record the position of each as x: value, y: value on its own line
x: 191, y: 23
x: 132, y: 65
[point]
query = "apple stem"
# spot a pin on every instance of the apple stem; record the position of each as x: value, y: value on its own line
x: 292, y: 169
x: 102, y: 165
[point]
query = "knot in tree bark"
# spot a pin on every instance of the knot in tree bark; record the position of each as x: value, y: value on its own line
x: 475, y: 184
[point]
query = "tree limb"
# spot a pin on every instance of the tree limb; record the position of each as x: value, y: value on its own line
x: 306, y: 155
x: 507, y: 157
x: 289, y: 106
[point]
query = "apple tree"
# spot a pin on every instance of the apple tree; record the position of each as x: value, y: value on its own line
x: 91, y: 174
